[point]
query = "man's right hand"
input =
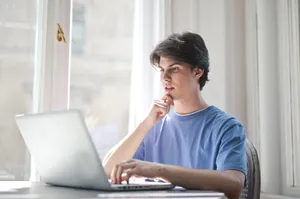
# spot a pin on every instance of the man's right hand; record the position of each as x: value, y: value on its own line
x: 159, y: 109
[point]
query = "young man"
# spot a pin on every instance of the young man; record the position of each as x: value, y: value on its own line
x: 183, y: 140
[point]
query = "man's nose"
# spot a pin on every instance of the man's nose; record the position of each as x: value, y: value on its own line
x: 166, y: 77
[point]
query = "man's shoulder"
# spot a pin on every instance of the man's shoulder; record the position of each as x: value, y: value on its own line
x: 222, y: 122
x: 225, y: 118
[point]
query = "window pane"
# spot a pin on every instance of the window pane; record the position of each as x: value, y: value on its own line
x: 101, y: 67
x: 17, y: 45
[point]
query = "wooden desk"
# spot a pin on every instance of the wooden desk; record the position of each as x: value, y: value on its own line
x: 35, y: 190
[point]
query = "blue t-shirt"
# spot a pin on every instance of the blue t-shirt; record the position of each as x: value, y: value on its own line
x: 206, y: 139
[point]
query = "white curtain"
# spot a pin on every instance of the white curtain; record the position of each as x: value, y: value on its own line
x: 151, y: 20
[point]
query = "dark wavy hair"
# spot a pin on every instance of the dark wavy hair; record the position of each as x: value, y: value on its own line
x: 184, y: 47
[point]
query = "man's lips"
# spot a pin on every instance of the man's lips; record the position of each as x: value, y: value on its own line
x: 169, y: 88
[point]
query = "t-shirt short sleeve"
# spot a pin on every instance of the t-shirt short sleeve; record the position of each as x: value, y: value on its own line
x: 232, y: 150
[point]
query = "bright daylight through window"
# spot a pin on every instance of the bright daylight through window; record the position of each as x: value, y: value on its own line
x: 17, y: 50
x: 100, y: 73
x: 101, y: 67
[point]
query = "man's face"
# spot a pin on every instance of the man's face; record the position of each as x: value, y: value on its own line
x: 178, y: 79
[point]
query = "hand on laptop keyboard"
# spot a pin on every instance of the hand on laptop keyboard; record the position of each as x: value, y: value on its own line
x: 124, y: 170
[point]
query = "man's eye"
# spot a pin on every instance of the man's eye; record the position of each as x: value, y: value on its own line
x: 175, y: 69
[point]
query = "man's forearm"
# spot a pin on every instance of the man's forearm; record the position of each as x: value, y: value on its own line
x: 203, y: 180
x: 126, y: 148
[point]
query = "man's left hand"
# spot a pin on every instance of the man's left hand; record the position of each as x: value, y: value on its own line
x: 124, y: 170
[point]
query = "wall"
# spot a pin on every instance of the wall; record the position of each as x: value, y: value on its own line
x: 222, y: 27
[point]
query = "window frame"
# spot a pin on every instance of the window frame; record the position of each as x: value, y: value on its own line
x: 277, y: 183
x: 290, y: 94
x: 52, y: 60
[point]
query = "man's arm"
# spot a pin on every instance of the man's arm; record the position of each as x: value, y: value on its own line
x: 229, y: 177
x: 231, y: 164
x: 230, y: 182
x: 126, y: 148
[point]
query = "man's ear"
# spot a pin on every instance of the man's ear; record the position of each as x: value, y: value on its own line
x: 198, y: 72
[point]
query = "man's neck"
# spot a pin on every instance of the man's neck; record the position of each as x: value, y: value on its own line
x: 190, y: 104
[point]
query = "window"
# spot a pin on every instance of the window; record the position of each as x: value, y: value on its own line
x: 289, y: 77
x: 17, y: 50
x: 100, y: 78
x: 275, y: 85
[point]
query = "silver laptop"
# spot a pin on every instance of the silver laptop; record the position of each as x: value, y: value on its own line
x: 64, y: 152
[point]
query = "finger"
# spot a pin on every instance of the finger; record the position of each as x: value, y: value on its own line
x: 127, y: 165
x: 159, y: 107
x: 170, y: 102
x: 166, y: 96
x: 161, y: 104
x: 161, y: 101
x: 168, y: 99
x: 129, y: 173
x: 131, y: 160
x: 160, y: 110
x: 113, y: 174
x: 118, y: 174
x: 122, y: 168
x: 124, y: 178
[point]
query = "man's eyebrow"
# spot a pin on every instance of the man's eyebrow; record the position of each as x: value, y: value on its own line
x: 170, y: 65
